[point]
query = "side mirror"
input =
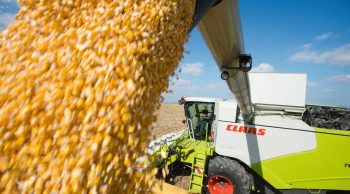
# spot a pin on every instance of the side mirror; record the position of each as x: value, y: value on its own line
x: 184, y: 121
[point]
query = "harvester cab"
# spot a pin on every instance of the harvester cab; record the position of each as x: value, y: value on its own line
x: 199, y: 118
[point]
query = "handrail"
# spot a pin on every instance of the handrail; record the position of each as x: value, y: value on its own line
x: 190, y: 128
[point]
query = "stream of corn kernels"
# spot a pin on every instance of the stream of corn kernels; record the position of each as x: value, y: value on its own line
x: 80, y: 81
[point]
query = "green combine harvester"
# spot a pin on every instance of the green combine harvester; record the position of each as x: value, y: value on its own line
x: 264, y: 141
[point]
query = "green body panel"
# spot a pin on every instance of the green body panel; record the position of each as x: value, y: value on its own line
x: 325, y: 167
x: 188, y: 150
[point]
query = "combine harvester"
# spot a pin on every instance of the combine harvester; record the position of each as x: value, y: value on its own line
x: 259, y: 142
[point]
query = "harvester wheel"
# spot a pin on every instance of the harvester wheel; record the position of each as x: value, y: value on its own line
x: 227, y: 176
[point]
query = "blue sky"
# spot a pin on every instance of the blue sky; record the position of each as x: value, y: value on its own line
x: 296, y: 36
x: 299, y: 36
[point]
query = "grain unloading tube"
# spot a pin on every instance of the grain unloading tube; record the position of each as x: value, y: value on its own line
x: 222, y: 32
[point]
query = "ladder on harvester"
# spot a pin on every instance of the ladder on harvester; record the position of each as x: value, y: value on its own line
x: 197, y: 174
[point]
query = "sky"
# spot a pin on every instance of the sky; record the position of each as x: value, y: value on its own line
x: 284, y: 36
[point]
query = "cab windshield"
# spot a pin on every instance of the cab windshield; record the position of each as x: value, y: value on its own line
x: 200, y: 116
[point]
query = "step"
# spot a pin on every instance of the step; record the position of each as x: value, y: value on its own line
x: 196, y: 176
x: 201, y: 156
x: 196, y: 182
x: 199, y: 162
x: 196, y: 187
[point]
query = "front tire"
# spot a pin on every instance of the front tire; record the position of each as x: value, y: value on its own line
x: 226, y: 176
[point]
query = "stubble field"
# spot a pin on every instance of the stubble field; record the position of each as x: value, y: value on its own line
x: 169, y: 120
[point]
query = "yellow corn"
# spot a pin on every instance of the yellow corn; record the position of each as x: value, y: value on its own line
x: 80, y: 81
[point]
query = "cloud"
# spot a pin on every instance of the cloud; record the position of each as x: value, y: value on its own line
x: 326, y: 90
x: 313, y: 84
x: 337, y: 56
x: 218, y: 89
x: 182, y: 83
x: 5, y: 20
x: 324, y: 36
x: 264, y: 68
x: 216, y: 86
x: 340, y: 78
x: 194, y: 69
x: 318, y: 87
x: 305, y: 46
x: 308, y: 45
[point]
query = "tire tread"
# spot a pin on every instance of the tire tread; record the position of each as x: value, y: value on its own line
x: 231, y: 169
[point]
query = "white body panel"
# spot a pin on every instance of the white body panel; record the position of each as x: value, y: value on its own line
x: 275, y: 136
x: 270, y: 136
x: 201, y: 99
x: 227, y: 110
x: 278, y: 89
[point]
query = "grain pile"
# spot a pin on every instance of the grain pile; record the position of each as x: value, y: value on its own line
x: 79, y: 82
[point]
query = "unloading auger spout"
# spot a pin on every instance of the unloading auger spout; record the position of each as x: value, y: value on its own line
x: 220, y: 25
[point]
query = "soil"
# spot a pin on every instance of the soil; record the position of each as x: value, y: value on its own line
x: 179, y: 175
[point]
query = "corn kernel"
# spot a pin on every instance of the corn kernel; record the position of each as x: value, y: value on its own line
x: 80, y: 81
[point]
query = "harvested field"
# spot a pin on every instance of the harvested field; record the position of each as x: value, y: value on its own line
x: 170, y: 118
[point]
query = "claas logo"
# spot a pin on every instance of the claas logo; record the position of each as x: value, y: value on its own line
x: 245, y: 129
